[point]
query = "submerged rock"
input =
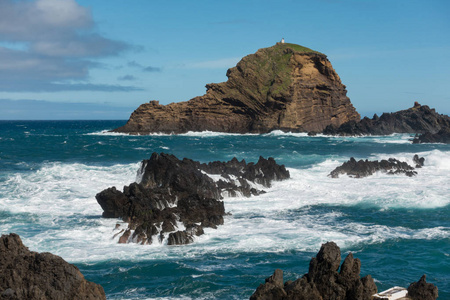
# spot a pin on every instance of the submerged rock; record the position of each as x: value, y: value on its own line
x: 418, y: 119
x: 30, y: 275
x: 364, y: 168
x: 323, y: 281
x: 178, y: 198
x: 284, y: 87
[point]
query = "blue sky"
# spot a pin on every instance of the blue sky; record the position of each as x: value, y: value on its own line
x: 92, y: 59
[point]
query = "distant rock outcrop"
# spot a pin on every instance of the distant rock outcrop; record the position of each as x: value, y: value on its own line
x: 30, y: 275
x: 364, y: 168
x: 418, y: 119
x: 284, y: 87
x: 178, y: 198
x: 323, y: 281
x: 443, y: 136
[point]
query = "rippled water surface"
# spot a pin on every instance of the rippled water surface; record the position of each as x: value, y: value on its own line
x: 398, y: 226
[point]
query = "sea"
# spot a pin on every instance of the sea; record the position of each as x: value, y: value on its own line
x: 398, y: 226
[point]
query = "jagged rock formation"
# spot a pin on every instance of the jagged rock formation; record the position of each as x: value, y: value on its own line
x: 285, y: 87
x: 422, y: 290
x: 364, y: 168
x: 179, y: 198
x: 443, y: 136
x: 30, y: 275
x: 323, y: 281
x: 418, y: 119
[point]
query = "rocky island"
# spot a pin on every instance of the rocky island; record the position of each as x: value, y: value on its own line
x: 284, y: 87
x: 173, y: 200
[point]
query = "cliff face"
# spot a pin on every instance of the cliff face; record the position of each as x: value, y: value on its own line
x: 286, y: 87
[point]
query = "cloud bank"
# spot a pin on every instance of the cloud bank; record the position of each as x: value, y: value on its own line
x: 45, y: 44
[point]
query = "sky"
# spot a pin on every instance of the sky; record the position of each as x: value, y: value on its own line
x: 93, y: 59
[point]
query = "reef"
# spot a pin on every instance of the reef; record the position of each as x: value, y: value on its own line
x: 284, y: 87
x: 25, y: 274
x: 174, y: 200
x: 364, y: 168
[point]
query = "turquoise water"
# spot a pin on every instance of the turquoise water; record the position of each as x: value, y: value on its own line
x: 399, y: 227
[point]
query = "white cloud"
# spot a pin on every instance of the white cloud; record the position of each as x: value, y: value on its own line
x: 57, y: 42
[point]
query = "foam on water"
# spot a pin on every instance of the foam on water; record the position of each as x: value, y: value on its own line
x: 62, y: 199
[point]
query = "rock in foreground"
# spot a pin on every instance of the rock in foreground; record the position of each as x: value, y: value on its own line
x: 30, y: 275
x: 323, y: 281
x: 176, y: 199
x: 284, y: 87
x: 421, y: 290
x: 364, y: 168
x: 326, y: 281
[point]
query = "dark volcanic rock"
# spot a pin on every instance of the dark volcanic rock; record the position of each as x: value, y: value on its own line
x: 173, y: 193
x: 286, y: 87
x: 422, y: 290
x: 30, y: 275
x: 364, y: 168
x: 418, y: 119
x: 323, y: 281
x: 443, y: 136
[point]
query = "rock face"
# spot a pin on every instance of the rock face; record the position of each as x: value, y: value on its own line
x: 178, y: 198
x: 364, y: 168
x: 418, y: 119
x: 422, y: 290
x: 443, y: 136
x: 286, y: 87
x: 323, y: 281
x: 30, y: 275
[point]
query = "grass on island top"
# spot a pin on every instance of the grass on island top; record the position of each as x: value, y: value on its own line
x: 295, y: 47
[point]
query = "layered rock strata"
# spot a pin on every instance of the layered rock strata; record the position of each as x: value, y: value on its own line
x: 364, y: 168
x: 324, y: 280
x: 286, y: 87
x: 25, y: 274
x: 417, y: 119
x: 173, y: 200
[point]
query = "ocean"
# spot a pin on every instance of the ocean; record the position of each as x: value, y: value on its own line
x: 398, y: 226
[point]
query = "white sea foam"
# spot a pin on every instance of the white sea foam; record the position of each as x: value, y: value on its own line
x: 59, y: 200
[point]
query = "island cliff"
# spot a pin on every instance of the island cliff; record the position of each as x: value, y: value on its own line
x: 284, y: 87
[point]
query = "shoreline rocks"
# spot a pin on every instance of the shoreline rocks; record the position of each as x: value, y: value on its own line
x: 25, y: 274
x: 364, y: 168
x: 326, y: 280
x: 418, y: 119
x: 284, y: 87
x: 323, y: 280
x: 176, y: 199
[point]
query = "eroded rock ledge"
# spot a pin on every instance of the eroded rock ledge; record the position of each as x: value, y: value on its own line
x: 325, y: 280
x: 25, y: 274
x: 176, y: 199
x: 364, y: 168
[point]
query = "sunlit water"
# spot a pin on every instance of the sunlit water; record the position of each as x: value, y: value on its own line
x: 398, y: 226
